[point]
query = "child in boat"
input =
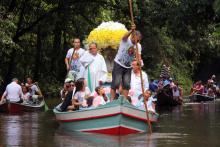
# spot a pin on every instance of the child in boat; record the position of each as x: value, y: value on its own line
x: 149, y: 100
x: 177, y: 92
x: 82, y: 94
x: 99, y: 99
x: 26, y: 95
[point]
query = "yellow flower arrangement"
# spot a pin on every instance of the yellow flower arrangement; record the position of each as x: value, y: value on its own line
x: 107, y: 35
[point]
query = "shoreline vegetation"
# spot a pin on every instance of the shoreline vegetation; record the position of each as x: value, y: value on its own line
x: 35, y: 37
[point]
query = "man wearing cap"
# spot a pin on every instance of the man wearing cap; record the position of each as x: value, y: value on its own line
x: 13, y: 92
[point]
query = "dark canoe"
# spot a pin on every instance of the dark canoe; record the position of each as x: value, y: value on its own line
x: 200, y: 98
x: 165, y: 98
x: 11, y: 107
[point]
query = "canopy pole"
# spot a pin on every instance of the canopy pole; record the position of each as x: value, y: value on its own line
x: 139, y: 64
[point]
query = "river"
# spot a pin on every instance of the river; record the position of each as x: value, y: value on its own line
x: 195, y: 125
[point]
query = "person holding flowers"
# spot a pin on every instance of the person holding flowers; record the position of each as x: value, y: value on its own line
x: 121, y: 73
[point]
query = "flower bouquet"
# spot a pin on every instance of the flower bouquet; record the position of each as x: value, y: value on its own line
x: 108, y: 36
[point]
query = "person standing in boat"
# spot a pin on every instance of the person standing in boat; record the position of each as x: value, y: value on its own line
x: 121, y: 73
x: 13, y: 92
x: 96, y: 69
x: 73, y: 65
x: 136, y: 89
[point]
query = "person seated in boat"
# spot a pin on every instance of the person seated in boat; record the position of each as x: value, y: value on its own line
x: 172, y: 84
x: 199, y: 88
x: 211, y: 92
x: 64, y: 91
x: 33, y: 88
x: 212, y: 81
x: 177, y: 92
x: 82, y: 94
x: 153, y: 85
x: 26, y: 94
x: 67, y: 104
x: 100, y: 99
x: 136, y: 81
x: 150, y: 101
x: 13, y: 92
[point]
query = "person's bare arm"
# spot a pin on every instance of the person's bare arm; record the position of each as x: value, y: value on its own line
x: 3, y: 97
x: 127, y: 34
x: 67, y: 64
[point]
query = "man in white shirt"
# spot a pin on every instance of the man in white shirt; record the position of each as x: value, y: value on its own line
x: 72, y: 62
x: 13, y: 92
x: 96, y: 69
x: 121, y: 73
x: 136, y: 89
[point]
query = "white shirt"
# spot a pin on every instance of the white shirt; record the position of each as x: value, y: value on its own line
x: 96, y: 69
x: 26, y: 96
x: 176, y: 92
x: 140, y: 104
x: 33, y: 90
x: 75, y: 64
x: 123, y: 57
x: 13, y: 92
x: 136, y: 82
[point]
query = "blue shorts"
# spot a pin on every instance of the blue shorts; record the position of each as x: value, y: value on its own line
x: 121, y: 75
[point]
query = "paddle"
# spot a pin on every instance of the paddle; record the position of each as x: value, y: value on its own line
x: 138, y: 59
x: 46, y: 108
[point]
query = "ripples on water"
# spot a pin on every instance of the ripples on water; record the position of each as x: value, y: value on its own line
x: 188, y: 125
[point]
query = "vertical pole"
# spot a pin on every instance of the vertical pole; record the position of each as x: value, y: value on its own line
x: 139, y: 64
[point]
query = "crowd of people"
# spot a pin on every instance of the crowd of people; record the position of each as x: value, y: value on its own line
x: 211, y: 88
x: 87, y: 75
x: 28, y: 92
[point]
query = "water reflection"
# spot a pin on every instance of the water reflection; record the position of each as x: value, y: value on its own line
x: 188, y: 125
x: 78, y: 139
x: 19, y: 130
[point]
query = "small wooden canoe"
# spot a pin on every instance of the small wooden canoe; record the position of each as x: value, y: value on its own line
x: 118, y: 117
x: 200, y: 98
x: 11, y: 107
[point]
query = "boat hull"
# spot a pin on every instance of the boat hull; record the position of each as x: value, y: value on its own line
x: 10, y: 107
x: 200, y: 98
x: 115, y: 118
x: 165, y: 98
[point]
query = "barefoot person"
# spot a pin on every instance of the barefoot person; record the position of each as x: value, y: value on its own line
x: 121, y: 73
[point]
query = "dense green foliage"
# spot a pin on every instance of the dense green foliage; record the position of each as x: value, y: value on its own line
x: 35, y: 35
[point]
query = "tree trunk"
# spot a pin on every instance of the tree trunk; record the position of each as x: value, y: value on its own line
x: 38, y: 54
x: 56, y: 48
